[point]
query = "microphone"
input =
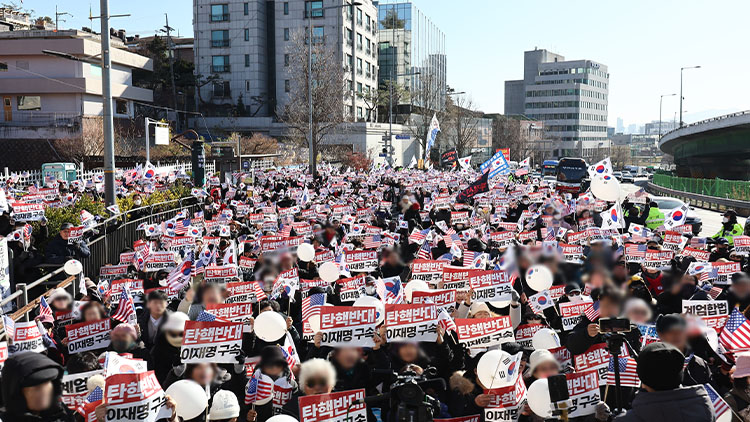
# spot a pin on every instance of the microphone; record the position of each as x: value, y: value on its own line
x: 372, y: 399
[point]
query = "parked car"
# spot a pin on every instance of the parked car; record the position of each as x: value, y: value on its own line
x: 667, y: 204
x: 618, y: 175
x: 551, y: 181
x: 627, y: 177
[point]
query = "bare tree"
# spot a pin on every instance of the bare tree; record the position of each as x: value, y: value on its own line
x: 329, y: 92
x: 427, y: 99
x: 462, y: 124
x: 256, y: 144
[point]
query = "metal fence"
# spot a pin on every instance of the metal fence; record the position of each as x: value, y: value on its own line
x: 728, y: 189
x: 35, y: 176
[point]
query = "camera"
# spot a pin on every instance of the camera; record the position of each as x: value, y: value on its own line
x: 614, y: 325
x: 409, y: 402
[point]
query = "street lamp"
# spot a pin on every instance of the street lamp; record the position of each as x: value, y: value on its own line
x: 309, y: 72
x: 660, y: 101
x: 681, y: 97
x: 390, y: 112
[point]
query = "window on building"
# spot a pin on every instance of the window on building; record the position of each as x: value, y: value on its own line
x: 367, y: 21
x: 359, y: 87
x: 3, y: 67
x: 349, y: 36
x: 318, y: 34
x: 219, y: 12
x: 245, y: 8
x: 314, y: 9
x: 220, y: 38
x: 359, y: 16
x: 221, y: 89
x: 219, y: 64
x: 29, y: 102
x: 247, y: 34
x: 367, y: 45
x: 359, y: 41
x: 350, y: 61
x: 247, y: 85
x: 121, y: 107
x: 359, y: 66
x: 286, y: 34
x: 286, y: 60
x: 286, y: 86
x: 359, y: 112
x: 247, y: 60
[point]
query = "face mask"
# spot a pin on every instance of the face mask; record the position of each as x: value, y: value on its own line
x: 525, y: 202
x: 576, y: 299
x: 725, y: 220
x: 137, y: 203
x: 370, y: 290
x: 174, y: 341
x: 558, y: 216
x: 121, y: 345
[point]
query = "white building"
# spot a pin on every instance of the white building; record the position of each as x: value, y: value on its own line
x: 244, y: 45
x: 570, y: 97
x: 45, y: 96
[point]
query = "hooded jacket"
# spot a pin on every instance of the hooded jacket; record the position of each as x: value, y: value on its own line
x: 684, y: 404
x: 16, y: 369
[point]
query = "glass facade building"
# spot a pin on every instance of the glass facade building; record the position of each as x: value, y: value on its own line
x: 409, y: 42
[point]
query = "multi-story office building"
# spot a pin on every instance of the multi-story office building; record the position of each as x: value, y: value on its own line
x: 245, y: 44
x: 412, y: 53
x: 570, y: 97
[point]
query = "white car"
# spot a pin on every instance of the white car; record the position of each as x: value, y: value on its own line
x: 667, y: 204
x: 551, y: 180
x: 627, y: 177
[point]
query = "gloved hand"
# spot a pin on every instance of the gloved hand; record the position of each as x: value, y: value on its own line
x: 602, y: 412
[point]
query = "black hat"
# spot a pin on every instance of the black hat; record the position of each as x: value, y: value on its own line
x: 660, y: 366
x: 722, y: 241
x: 740, y: 278
x: 64, y: 226
x: 669, y: 322
x: 511, y: 347
x: 572, y: 287
x: 271, y: 356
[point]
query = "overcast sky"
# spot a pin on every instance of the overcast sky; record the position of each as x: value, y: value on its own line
x: 644, y: 44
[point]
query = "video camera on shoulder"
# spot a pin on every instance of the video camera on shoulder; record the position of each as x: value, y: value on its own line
x: 614, y: 325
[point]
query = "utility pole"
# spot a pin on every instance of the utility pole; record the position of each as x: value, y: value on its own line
x: 57, y: 17
x: 109, y: 133
x: 168, y: 29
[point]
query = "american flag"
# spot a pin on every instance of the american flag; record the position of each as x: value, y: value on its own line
x: 592, y: 312
x: 720, y: 406
x: 698, y: 242
x: 311, y: 305
x: 469, y: 257
x: 27, y: 229
x: 182, y: 227
x: 628, y: 372
x: 714, y: 291
x: 126, y: 309
x: 373, y: 241
x: 425, y: 252
x: 417, y: 236
x: 445, y: 321
x: 636, y: 251
x: 44, y: 309
x: 736, y: 332
x: 206, y: 316
x: 10, y: 326
x: 258, y: 290
x: 96, y: 395
x: 258, y: 388
x: 390, y: 290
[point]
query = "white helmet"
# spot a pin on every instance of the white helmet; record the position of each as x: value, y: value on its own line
x: 224, y: 406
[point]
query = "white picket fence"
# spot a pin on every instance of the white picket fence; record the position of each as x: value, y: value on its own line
x: 30, y: 177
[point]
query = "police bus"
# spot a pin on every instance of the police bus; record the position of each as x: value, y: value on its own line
x: 572, y: 175
x: 549, y: 167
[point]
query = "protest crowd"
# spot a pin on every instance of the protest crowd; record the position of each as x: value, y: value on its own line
x: 389, y: 295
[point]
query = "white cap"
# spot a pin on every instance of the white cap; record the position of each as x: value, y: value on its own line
x: 540, y: 356
x: 224, y: 406
x: 175, y: 322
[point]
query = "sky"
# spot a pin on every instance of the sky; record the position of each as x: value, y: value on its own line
x: 643, y: 43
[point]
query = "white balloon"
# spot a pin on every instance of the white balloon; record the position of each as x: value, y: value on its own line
x: 545, y: 338
x: 306, y: 252
x: 413, y: 285
x: 539, y: 277
x: 190, y: 398
x: 606, y: 188
x: 282, y: 418
x: 372, y: 302
x: 269, y: 326
x: 489, y: 367
x: 73, y: 267
x: 500, y: 303
x: 314, y: 321
x: 329, y: 272
x: 538, y: 398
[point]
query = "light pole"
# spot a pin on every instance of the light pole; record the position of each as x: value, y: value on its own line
x: 661, y: 98
x: 309, y: 14
x: 681, y: 70
x: 389, y: 142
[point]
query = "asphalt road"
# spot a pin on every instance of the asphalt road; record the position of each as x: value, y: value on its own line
x: 711, y: 219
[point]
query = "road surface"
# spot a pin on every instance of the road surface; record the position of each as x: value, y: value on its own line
x: 711, y: 219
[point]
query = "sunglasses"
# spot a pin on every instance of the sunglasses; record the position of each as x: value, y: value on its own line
x: 312, y: 383
x: 574, y: 293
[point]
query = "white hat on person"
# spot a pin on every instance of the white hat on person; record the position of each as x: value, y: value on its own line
x: 175, y: 322
x: 224, y: 406
x: 540, y: 356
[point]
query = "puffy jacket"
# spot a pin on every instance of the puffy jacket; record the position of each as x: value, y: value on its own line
x: 655, y: 218
x: 684, y: 404
x: 729, y: 233
x: 15, y: 370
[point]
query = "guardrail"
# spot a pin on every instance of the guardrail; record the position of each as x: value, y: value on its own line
x: 702, y: 201
x: 712, y: 119
x: 727, y: 189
